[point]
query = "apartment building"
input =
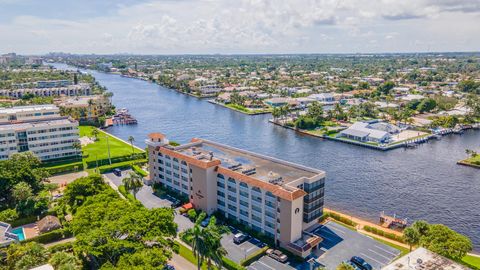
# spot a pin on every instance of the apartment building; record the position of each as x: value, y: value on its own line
x: 84, y: 107
x: 283, y: 200
x: 39, y: 129
x: 81, y: 89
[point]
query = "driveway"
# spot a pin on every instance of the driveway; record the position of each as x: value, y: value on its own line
x: 145, y: 195
x: 238, y: 253
x: 341, y: 243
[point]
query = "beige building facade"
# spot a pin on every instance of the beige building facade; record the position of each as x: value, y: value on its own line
x: 283, y: 200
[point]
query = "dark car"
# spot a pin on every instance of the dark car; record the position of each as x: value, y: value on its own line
x: 117, y: 172
x: 361, y: 263
x: 169, y: 267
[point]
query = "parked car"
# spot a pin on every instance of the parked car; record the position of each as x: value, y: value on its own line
x: 277, y: 255
x: 205, y: 222
x: 355, y: 267
x: 169, y: 267
x: 240, y: 238
x: 117, y: 172
x: 361, y: 263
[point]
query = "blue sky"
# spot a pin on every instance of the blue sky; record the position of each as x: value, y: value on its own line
x: 240, y: 26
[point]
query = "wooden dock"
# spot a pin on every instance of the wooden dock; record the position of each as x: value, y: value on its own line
x: 389, y: 221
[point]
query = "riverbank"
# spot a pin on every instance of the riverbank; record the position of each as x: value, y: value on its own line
x: 471, y: 162
x: 246, y: 111
x: 400, y: 144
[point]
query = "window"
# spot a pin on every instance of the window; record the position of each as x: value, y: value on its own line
x: 220, y: 176
x: 242, y: 184
x: 219, y: 184
x: 231, y: 198
x: 233, y: 208
x: 231, y: 180
x: 219, y: 202
x: 220, y: 194
x: 256, y: 189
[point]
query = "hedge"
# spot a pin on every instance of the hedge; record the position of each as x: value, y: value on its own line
x: 49, y: 237
x: 255, y: 256
x: 122, y: 165
x: 106, y: 161
x: 61, y: 247
x: 77, y: 166
x: 139, y: 170
x: 126, y: 194
x: 385, y: 234
x: 231, y: 265
x: 339, y: 218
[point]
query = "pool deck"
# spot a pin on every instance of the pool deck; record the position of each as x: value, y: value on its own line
x: 30, y: 230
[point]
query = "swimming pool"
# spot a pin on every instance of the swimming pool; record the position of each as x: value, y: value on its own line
x: 19, y: 232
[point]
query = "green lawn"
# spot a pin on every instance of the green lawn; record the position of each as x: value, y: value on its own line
x: 474, y: 160
x: 99, y: 149
x: 472, y: 261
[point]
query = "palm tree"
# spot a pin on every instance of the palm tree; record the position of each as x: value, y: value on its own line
x: 206, y: 243
x: 95, y: 133
x: 199, y: 247
x: 131, y: 140
x: 133, y: 183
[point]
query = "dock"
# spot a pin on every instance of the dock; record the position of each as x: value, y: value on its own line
x: 392, y: 222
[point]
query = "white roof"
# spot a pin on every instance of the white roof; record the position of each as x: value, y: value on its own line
x: 31, y: 108
x: 43, y: 267
x: 361, y: 129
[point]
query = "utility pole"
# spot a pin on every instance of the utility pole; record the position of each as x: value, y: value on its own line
x: 108, y: 146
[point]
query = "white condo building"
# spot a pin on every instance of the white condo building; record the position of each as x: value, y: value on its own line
x: 283, y: 200
x: 39, y: 129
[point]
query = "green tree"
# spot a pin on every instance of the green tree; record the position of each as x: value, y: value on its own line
x: 79, y: 190
x: 146, y: 259
x: 65, y: 261
x: 131, y: 140
x: 95, y: 133
x: 108, y: 228
x: 445, y: 241
x: 20, y: 167
x: 25, y: 256
x: 133, y: 183
x: 315, y: 111
x: 411, y: 237
x: 385, y: 88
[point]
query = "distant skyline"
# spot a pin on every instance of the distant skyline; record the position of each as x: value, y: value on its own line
x: 239, y: 27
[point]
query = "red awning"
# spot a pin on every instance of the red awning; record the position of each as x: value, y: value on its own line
x: 187, y: 206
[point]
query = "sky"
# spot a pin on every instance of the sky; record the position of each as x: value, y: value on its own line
x: 238, y: 26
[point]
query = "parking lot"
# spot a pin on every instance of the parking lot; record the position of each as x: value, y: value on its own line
x: 267, y: 263
x: 237, y: 253
x: 341, y: 243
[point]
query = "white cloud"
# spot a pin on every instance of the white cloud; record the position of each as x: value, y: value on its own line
x: 262, y: 26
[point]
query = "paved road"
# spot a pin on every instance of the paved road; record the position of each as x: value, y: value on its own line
x: 145, y: 195
x: 181, y: 263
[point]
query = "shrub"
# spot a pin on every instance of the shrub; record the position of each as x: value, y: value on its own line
x: 8, y: 215
x: 231, y: 265
x: 385, y: 234
x: 255, y: 256
x: 126, y: 194
x: 192, y: 214
x: 340, y: 218
x: 61, y: 247
x: 139, y: 170
x: 23, y: 221
x: 50, y: 236
x: 77, y: 166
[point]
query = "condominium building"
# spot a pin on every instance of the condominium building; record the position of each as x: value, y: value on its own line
x: 283, y: 200
x: 81, y: 89
x: 39, y: 129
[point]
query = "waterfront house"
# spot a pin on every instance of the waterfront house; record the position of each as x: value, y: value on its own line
x: 377, y: 132
x: 325, y: 98
x: 276, y: 102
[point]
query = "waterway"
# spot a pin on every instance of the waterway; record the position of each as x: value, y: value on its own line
x: 422, y: 183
